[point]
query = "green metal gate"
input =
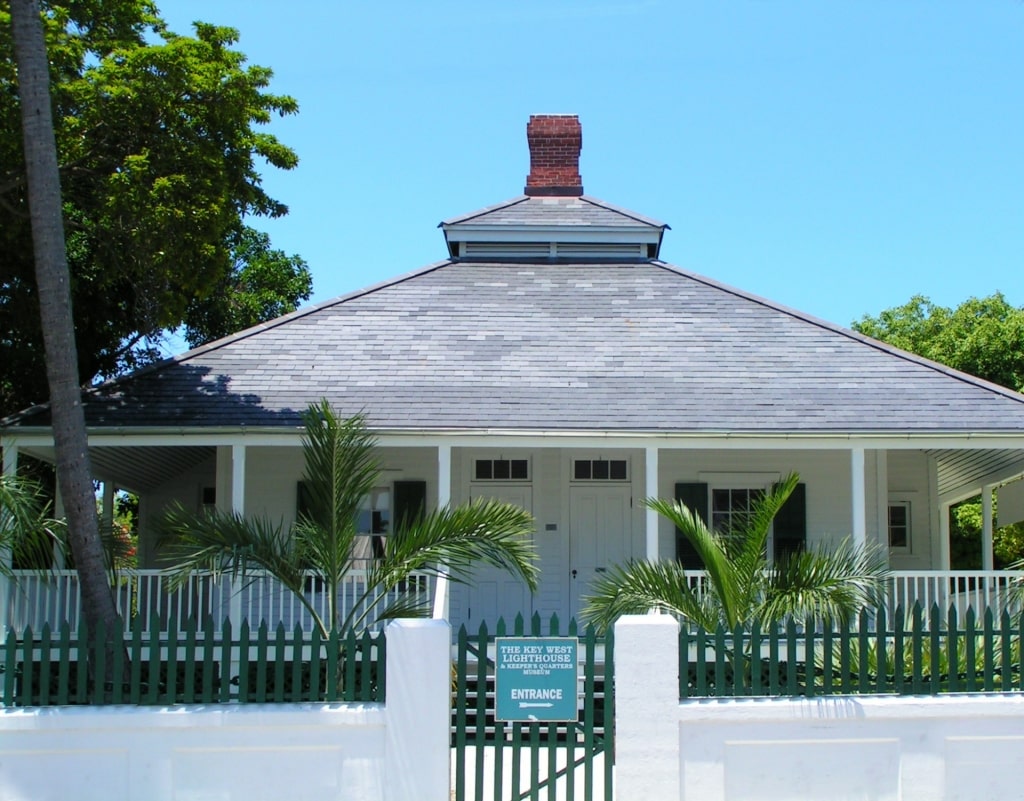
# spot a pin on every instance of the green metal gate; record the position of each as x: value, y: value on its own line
x: 498, y: 761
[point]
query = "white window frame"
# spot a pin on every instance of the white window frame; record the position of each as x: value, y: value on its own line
x: 907, y: 505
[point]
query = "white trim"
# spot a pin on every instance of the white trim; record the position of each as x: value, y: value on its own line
x: 944, y: 555
x: 547, y: 438
x: 858, y: 499
x: 10, y: 464
x: 734, y: 480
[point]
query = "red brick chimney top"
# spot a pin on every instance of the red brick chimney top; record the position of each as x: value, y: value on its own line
x: 555, y: 143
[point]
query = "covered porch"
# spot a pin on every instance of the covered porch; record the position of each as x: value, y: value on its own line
x: 584, y: 491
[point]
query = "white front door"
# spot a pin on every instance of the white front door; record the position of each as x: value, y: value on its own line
x: 600, y: 534
x: 494, y: 592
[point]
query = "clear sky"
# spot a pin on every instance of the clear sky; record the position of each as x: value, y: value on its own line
x: 837, y: 157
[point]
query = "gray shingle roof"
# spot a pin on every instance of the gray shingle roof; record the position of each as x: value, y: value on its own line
x: 601, y: 347
x: 547, y: 211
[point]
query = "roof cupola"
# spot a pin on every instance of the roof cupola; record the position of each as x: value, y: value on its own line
x: 553, y: 219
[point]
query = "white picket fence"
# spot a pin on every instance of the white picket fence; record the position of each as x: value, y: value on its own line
x: 31, y: 599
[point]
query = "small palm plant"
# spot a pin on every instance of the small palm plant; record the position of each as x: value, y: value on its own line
x: 27, y: 532
x: 825, y: 582
x: 341, y: 469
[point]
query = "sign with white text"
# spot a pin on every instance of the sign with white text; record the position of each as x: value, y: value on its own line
x: 536, y: 678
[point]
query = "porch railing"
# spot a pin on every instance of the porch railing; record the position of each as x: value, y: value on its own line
x: 34, y: 599
x: 998, y: 590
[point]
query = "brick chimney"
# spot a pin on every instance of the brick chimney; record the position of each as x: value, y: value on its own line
x: 555, y: 143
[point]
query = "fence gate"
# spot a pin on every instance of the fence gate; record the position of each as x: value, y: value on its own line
x: 513, y: 761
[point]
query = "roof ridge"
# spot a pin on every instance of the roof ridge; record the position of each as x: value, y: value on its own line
x: 848, y: 333
x: 485, y: 210
x: 625, y: 212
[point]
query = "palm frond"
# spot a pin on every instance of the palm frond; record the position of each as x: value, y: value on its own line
x: 227, y: 543
x: 639, y: 587
x: 26, y: 529
x: 709, y: 546
x: 479, y: 532
x: 830, y: 583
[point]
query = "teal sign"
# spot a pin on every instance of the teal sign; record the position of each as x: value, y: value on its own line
x: 535, y: 678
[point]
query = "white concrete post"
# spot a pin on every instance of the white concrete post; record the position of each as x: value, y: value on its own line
x: 651, y: 491
x: 646, y: 693
x: 858, y: 498
x: 987, y: 547
x: 419, y: 710
x: 444, y: 498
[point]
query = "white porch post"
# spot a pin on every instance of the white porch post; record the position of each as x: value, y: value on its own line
x: 238, y: 507
x: 444, y: 498
x: 944, y: 557
x: 987, y: 551
x: 858, y: 497
x: 10, y: 468
x: 651, y: 491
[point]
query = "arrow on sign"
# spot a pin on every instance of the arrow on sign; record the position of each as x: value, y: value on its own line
x: 538, y: 705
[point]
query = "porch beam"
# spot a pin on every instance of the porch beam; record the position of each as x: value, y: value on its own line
x: 987, y: 547
x: 945, y: 559
x: 651, y: 491
x: 858, y: 498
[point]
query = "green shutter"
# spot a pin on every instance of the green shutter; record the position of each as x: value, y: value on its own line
x: 695, y: 497
x: 790, y: 525
x: 410, y: 503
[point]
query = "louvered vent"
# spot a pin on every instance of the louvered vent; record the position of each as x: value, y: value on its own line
x: 629, y: 250
x: 529, y: 250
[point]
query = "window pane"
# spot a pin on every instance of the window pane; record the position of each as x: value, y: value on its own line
x: 483, y: 469
x: 582, y: 471
x: 618, y: 470
x: 720, y: 500
x: 501, y: 468
x: 519, y: 468
x: 600, y: 469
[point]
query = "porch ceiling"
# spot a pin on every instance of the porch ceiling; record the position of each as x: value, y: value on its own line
x: 962, y: 473
x: 137, y: 468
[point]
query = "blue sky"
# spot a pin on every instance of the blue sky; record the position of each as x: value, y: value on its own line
x: 835, y: 157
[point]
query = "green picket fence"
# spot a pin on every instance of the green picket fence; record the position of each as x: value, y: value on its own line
x: 911, y: 654
x: 190, y: 664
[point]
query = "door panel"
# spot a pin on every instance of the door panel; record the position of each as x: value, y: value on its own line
x: 494, y: 592
x: 600, y: 534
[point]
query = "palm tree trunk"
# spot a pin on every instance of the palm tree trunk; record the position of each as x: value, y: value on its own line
x: 53, y: 280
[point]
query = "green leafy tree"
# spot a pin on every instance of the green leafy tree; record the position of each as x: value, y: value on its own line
x: 159, y: 145
x: 983, y: 337
x: 263, y: 283
x: 830, y: 583
x: 341, y: 469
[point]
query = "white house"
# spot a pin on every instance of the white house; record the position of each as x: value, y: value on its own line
x: 552, y: 359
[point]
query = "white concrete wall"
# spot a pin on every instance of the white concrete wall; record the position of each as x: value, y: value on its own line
x: 956, y: 747
x: 359, y: 752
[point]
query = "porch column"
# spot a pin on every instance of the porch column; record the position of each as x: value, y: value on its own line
x: 858, y: 497
x: 944, y: 558
x: 987, y: 551
x: 651, y: 491
x: 444, y: 498
x: 10, y: 468
x: 238, y: 507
